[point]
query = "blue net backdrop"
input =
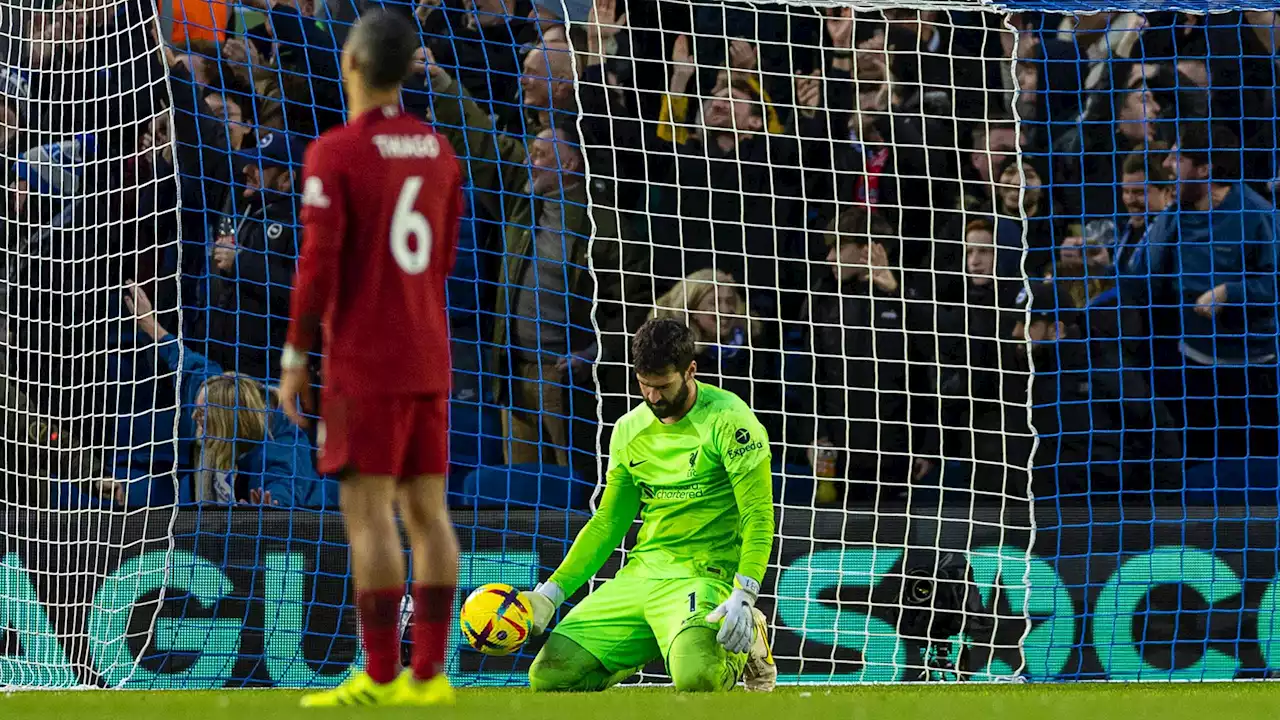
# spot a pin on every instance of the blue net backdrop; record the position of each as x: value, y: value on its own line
x: 999, y: 281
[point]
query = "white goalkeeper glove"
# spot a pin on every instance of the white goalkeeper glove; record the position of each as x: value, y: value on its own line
x: 543, y: 601
x: 738, y: 629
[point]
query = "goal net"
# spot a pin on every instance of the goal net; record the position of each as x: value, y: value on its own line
x: 999, y: 283
x: 90, y: 209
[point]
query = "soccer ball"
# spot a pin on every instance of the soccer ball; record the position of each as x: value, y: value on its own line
x: 495, y: 620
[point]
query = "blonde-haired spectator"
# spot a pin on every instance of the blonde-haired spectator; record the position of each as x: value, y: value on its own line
x: 735, y: 350
x: 712, y: 305
x: 248, y: 450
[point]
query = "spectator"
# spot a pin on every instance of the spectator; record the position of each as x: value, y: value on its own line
x: 883, y: 137
x: 1212, y: 255
x: 155, y: 203
x: 308, y: 51
x: 871, y: 339
x: 1222, y: 69
x: 544, y: 338
x: 249, y: 451
x: 547, y: 83
x: 1024, y: 229
x: 1145, y: 191
x: 734, y: 350
x: 228, y: 107
x: 1100, y: 433
x: 673, y: 120
x: 14, y: 97
x: 1049, y: 77
x: 606, y: 117
x: 879, y: 153
x: 198, y: 142
x: 253, y: 260
x: 729, y: 197
x: 942, y: 74
x: 1128, y: 124
x: 1084, y: 270
x: 480, y: 40
x: 981, y: 413
x: 994, y: 142
x: 268, y: 97
x: 590, y: 103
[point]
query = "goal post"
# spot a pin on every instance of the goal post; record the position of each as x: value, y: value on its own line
x: 998, y: 281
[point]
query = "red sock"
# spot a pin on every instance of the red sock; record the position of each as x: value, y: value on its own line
x: 380, y: 631
x: 432, y: 606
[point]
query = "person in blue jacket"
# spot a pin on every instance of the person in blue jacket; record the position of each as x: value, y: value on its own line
x: 1205, y: 276
x: 249, y: 452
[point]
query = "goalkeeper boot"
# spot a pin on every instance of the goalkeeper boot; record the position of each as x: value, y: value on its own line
x: 361, y: 690
x: 434, y: 692
x: 760, y: 674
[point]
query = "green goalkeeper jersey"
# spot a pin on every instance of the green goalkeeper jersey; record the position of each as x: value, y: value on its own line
x: 702, y: 486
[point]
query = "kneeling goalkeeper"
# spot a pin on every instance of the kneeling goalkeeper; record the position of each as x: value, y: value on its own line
x: 695, y: 463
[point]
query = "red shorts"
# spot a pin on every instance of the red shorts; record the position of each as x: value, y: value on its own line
x: 398, y: 435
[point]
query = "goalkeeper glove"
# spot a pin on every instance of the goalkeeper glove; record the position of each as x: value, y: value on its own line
x: 738, y: 629
x: 543, y: 601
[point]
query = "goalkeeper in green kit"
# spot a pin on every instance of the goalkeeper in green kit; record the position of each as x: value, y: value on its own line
x: 694, y: 462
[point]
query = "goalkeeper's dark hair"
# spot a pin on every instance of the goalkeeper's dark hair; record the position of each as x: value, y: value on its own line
x: 662, y: 345
x: 382, y: 45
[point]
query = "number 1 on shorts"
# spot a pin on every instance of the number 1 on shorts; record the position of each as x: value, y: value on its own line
x: 693, y: 601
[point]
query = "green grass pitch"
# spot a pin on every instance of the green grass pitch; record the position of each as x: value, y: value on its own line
x: 943, y: 702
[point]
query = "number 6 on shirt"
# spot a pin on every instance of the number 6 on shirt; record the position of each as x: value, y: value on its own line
x: 406, y: 223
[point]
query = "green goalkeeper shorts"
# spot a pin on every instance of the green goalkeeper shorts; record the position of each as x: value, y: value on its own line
x: 629, y: 622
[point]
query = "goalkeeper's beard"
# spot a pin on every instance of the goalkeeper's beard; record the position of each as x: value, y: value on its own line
x: 668, y: 408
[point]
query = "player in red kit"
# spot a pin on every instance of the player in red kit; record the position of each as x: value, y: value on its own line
x: 381, y: 201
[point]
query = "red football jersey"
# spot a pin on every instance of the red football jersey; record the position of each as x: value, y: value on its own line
x: 381, y: 204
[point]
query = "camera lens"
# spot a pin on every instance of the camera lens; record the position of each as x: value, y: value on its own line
x: 919, y: 590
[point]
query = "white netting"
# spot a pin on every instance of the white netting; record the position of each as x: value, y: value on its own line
x: 852, y: 207
x: 812, y: 232
x: 90, y: 204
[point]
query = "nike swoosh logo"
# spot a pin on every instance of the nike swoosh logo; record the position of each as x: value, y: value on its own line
x: 633, y: 463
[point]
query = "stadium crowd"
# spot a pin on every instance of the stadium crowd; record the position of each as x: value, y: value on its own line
x: 891, y: 232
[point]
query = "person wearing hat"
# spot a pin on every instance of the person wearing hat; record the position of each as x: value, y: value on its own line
x: 253, y: 259
x: 1100, y: 434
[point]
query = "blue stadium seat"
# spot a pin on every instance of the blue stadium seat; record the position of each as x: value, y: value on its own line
x: 1255, y: 481
x: 543, y: 486
x: 792, y: 484
x: 475, y: 439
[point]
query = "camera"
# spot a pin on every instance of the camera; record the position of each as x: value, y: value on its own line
x: 939, y: 601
